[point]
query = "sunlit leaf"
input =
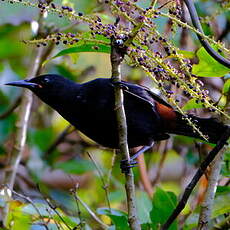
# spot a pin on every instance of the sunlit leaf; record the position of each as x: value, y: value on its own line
x: 85, y: 46
x: 119, y: 218
x: 99, y: 48
x: 226, y: 87
x: 208, y: 66
x: 187, y: 54
x: 221, y: 205
x: 192, y: 104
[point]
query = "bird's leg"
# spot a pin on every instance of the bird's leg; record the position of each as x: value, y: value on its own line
x: 125, y: 165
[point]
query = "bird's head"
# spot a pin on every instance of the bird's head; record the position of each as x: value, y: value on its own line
x: 47, y: 87
x: 39, y: 83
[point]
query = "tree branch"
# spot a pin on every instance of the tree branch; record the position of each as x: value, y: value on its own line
x: 116, y: 59
x: 21, y: 132
x: 206, y: 206
x: 92, y: 214
x: 196, y: 178
x: 197, y: 25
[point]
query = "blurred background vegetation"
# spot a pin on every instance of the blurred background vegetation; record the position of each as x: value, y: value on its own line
x: 57, y: 160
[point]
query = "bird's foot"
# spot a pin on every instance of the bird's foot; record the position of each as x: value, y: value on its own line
x: 125, y: 165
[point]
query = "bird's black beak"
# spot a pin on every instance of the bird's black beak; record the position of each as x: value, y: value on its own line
x: 24, y: 84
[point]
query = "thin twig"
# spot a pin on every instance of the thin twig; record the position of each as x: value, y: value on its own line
x: 105, y: 186
x: 94, y: 216
x: 21, y: 131
x: 28, y: 199
x: 73, y: 191
x: 54, y: 220
x: 195, y: 179
x: 54, y: 208
x: 225, y: 224
x: 116, y: 57
x: 206, y: 206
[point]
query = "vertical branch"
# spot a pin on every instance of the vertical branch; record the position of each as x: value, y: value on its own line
x: 188, y: 190
x: 116, y: 59
x: 21, y: 131
x: 22, y: 125
x: 206, y: 206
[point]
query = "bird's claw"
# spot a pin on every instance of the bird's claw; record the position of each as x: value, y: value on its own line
x: 125, y: 165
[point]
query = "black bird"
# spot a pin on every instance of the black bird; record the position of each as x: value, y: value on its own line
x: 90, y: 108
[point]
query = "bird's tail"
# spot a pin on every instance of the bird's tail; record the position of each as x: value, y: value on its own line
x: 210, y: 127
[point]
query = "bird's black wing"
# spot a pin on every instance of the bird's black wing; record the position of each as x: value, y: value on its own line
x: 143, y: 93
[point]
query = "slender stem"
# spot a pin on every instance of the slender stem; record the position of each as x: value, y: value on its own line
x: 100, y: 173
x: 94, y: 216
x: 153, y: 3
x: 116, y: 59
x: 54, y: 208
x: 197, y: 25
x: 224, y: 224
x: 21, y: 132
x: 29, y: 200
x: 180, y: 206
x: 206, y: 206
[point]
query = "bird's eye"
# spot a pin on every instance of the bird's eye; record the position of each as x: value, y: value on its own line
x: 46, y: 80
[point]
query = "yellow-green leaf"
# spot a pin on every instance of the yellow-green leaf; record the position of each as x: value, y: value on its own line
x: 208, y: 66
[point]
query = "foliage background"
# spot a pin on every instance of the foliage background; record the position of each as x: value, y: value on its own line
x: 170, y: 164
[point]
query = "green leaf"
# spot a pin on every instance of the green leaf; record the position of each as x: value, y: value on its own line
x: 30, y: 210
x: 42, y: 138
x: 191, y: 222
x: 119, y: 218
x: 144, y: 206
x: 83, y: 47
x: 225, y: 170
x: 208, y: 66
x: 226, y: 87
x: 99, y: 48
x: 221, y: 205
x: 163, y: 205
x: 146, y: 226
x: 21, y: 221
x: 76, y: 166
x: 192, y: 104
x: 222, y: 190
x: 187, y: 54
